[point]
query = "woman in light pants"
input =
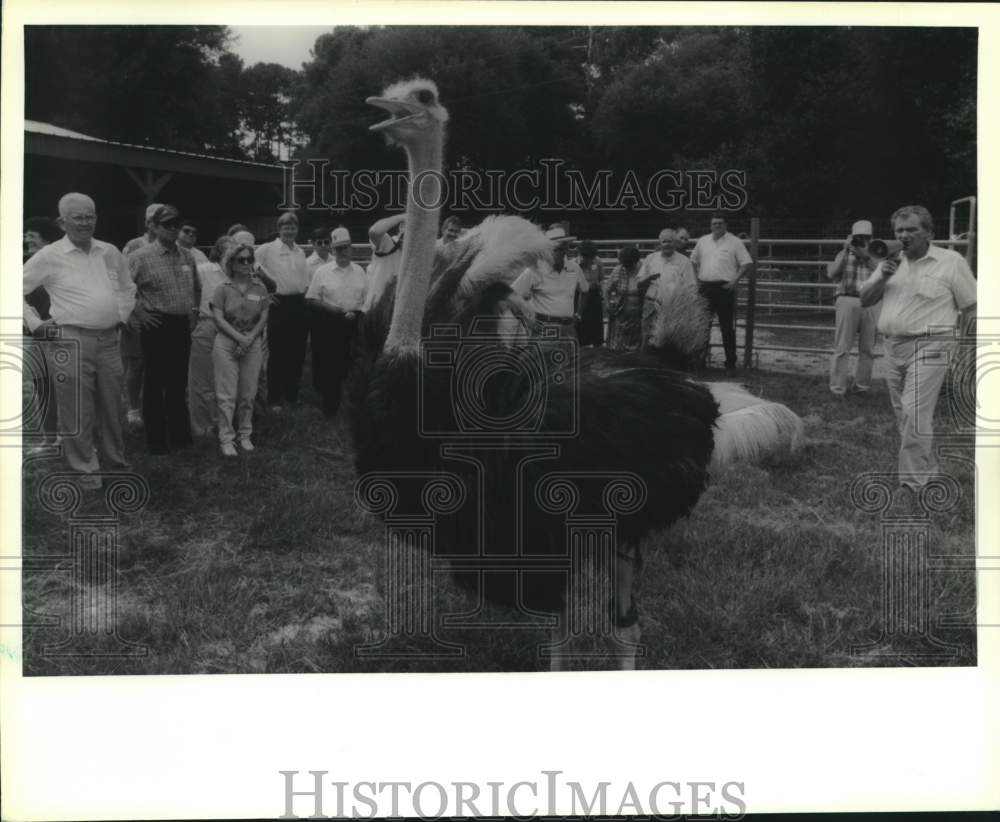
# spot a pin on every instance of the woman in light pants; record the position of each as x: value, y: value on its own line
x: 240, y: 310
x: 201, y: 372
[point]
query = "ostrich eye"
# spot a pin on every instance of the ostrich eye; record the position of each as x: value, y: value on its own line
x: 425, y: 97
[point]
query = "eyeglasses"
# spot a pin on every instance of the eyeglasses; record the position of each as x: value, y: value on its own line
x: 170, y: 225
x: 321, y: 242
x: 243, y: 260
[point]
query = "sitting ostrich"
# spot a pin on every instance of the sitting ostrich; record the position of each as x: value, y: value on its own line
x: 633, y: 414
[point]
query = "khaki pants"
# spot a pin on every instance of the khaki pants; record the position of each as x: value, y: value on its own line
x: 235, y: 386
x: 916, y: 368
x: 201, y: 378
x: 853, y: 322
x: 87, y: 370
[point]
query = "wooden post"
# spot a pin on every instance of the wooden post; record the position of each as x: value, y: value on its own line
x: 150, y: 185
x: 751, y: 292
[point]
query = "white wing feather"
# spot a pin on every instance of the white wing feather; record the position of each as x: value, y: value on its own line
x: 749, y: 428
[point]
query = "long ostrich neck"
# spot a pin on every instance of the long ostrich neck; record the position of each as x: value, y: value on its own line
x: 423, y: 207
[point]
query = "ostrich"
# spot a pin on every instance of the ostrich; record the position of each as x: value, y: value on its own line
x: 635, y: 414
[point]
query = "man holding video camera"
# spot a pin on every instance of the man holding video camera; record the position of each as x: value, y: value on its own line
x: 852, y: 266
x: 923, y: 290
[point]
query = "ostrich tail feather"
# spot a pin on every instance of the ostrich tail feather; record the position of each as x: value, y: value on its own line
x: 679, y: 333
x: 749, y: 428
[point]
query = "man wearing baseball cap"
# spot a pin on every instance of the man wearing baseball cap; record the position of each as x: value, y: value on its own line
x: 131, y: 345
x: 852, y: 266
x: 336, y: 299
x: 168, y: 294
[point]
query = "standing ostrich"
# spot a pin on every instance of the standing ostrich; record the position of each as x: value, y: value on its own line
x: 634, y: 414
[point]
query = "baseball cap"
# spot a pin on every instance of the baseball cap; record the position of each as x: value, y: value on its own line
x: 340, y: 236
x: 557, y: 234
x: 166, y: 213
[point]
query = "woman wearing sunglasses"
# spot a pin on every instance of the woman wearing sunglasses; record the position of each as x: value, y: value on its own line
x: 240, y: 310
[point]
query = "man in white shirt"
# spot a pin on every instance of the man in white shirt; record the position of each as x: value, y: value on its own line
x: 336, y: 298
x: 720, y: 261
x: 551, y: 289
x: 924, y: 290
x: 91, y: 295
x: 283, y: 263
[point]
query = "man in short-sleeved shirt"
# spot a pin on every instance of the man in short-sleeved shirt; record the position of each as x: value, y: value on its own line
x: 924, y: 291
x: 336, y: 299
x: 284, y: 263
x: 167, y: 299
x: 551, y: 289
x: 91, y: 295
x: 720, y: 261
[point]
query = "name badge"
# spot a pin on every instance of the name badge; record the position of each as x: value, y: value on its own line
x: 254, y: 298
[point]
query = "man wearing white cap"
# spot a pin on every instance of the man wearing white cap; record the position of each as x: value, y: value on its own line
x: 551, y: 289
x: 852, y: 266
x: 336, y: 299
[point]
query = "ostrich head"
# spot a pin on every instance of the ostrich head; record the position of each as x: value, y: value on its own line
x: 417, y: 124
x: 414, y: 109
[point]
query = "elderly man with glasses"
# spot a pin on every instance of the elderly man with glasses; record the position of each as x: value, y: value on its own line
x: 168, y: 293
x: 91, y: 295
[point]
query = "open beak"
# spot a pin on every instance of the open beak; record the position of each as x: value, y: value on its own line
x: 399, y: 111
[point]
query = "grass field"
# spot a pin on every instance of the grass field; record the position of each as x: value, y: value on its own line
x: 264, y: 563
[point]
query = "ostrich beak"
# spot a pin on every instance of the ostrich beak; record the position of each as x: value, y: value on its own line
x: 399, y: 110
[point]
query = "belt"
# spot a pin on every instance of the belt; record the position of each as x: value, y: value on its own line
x: 93, y: 332
x: 548, y: 318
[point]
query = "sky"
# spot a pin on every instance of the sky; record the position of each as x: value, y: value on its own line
x: 287, y: 45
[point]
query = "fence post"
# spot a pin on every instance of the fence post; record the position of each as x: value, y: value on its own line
x: 751, y: 292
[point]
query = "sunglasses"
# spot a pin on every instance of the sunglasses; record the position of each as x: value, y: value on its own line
x: 244, y: 260
x: 170, y: 225
x: 321, y: 242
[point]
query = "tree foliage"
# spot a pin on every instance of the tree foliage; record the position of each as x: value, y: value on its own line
x: 178, y: 87
x: 508, y: 97
x: 829, y: 122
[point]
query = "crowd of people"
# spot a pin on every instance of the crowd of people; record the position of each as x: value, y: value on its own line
x: 189, y: 346
x: 181, y: 344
